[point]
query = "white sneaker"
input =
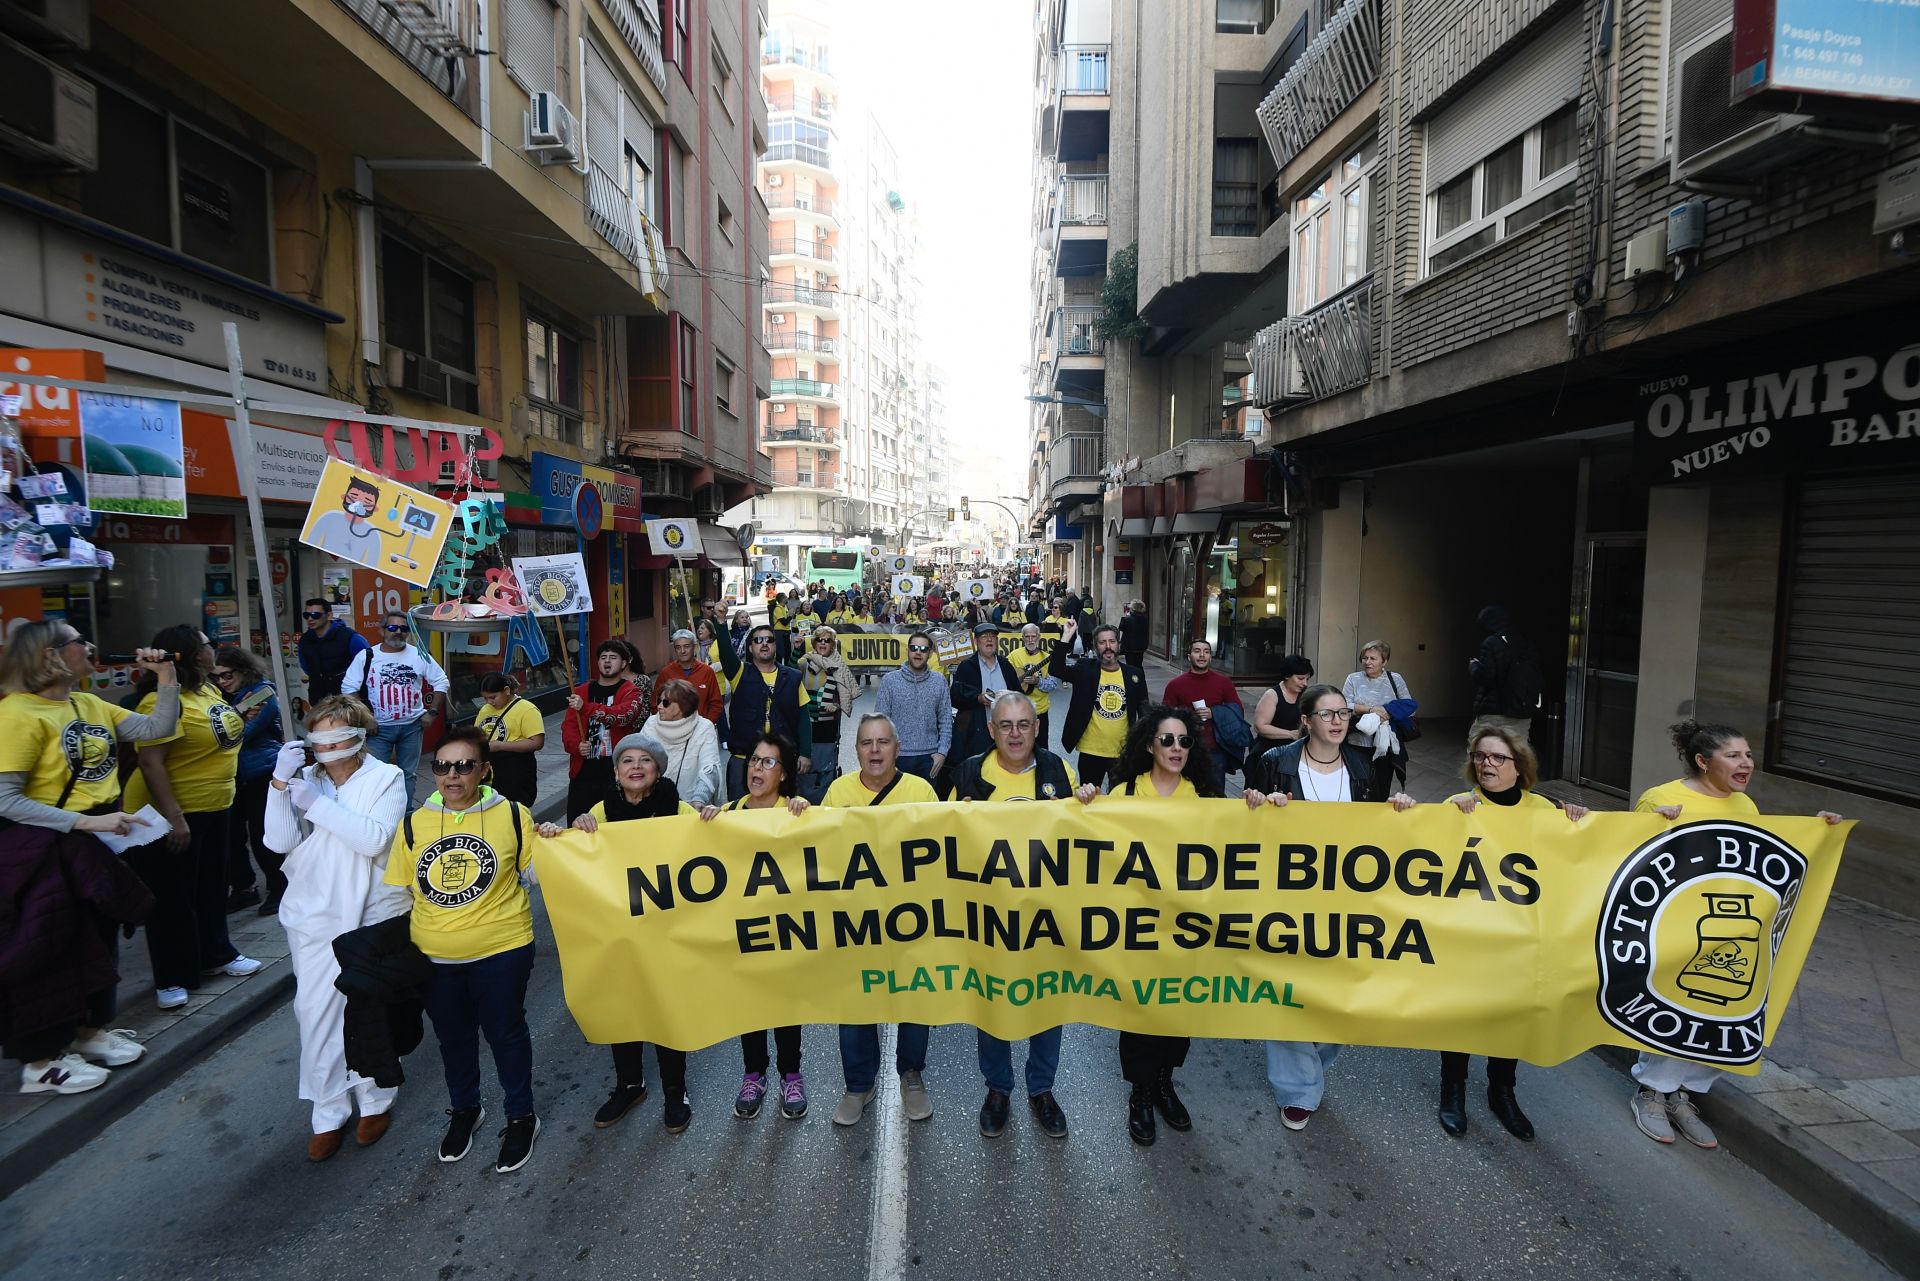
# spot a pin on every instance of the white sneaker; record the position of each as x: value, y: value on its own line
x: 115, y: 1048
x: 170, y: 998
x: 69, y: 1075
x: 241, y: 966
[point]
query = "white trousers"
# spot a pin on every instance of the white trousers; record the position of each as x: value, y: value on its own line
x: 321, y: 1008
x: 1658, y: 1072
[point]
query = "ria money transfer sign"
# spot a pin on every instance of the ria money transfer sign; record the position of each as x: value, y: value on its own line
x: 1507, y: 932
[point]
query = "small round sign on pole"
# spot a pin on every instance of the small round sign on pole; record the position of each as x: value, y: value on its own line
x: 588, y: 511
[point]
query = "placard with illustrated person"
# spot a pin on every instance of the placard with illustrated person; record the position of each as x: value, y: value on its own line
x: 377, y: 523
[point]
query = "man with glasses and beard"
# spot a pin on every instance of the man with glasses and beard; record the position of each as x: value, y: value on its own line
x: 914, y: 698
x: 326, y: 649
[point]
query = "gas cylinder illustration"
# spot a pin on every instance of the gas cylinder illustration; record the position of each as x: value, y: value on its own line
x: 1728, y: 957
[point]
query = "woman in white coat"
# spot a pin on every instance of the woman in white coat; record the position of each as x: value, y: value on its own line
x: 335, y: 821
x: 695, y: 762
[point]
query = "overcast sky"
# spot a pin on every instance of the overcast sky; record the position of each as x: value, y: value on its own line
x: 951, y: 84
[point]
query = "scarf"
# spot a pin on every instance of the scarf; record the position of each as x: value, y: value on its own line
x: 675, y: 736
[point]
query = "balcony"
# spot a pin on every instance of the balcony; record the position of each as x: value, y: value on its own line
x: 638, y: 22
x: 784, y: 338
x: 804, y: 478
x: 810, y: 59
x: 1076, y: 461
x: 1076, y: 346
x: 1310, y: 357
x: 1080, y: 225
x: 821, y: 300
x: 1080, y: 71
x: 622, y: 224
x: 818, y: 250
x: 804, y: 387
x: 818, y: 206
x: 1082, y: 101
x: 438, y: 38
x: 803, y: 434
x: 805, y: 153
x: 800, y: 104
x: 1335, y: 69
x: 1083, y: 200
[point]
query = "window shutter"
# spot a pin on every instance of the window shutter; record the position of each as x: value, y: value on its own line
x: 603, y: 114
x: 1850, y: 671
x: 530, y: 48
x: 1537, y: 81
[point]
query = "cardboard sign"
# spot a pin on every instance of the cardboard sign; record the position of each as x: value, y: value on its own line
x: 679, y: 539
x: 908, y: 585
x: 376, y: 523
x: 135, y: 459
x: 555, y: 585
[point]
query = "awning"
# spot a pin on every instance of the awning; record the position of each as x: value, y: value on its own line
x: 718, y: 548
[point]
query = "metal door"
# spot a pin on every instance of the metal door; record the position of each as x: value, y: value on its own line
x: 1605, y: 679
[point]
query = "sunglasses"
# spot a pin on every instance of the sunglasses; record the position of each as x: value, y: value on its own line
x: 1174, y: 740
x: 442, y: 768
x: 313, y: 613
x: 222, y: 676
x: 761, y: 640
x: 395, y: 627
x: 919, y: 649
x: 75, y: 639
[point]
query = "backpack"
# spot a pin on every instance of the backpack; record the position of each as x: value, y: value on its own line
x: 1232, y: 735
x: 1520, y: 681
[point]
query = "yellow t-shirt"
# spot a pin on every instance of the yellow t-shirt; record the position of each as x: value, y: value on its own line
x: 779, y: 617
x: 772, y: 679
x: 848, y: 792
x: 836, y: 616
x: 1695, y: 804
x: 599, y: 811
x: 1018, y: 787
x: 468, y: 902
x: 521, y: 719
x: 865, y: 620
x: 1106, y: 732
x: 47, y: 742
x: 203, y: 757
x: 1184, y: 790
x: 1528, y: 800
x: 1021, y: 661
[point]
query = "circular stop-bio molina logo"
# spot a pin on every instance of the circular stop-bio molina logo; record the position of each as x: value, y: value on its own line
x: 1688, y: 934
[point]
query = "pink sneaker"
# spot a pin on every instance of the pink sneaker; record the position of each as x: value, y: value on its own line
x: 793, y: 1096
x: 753, y: 1088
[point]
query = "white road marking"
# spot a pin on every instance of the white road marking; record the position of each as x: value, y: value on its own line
x: 887, y: 1223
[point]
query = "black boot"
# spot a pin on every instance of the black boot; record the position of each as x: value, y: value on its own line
x: 1140, y: 1116
x: 1172, y: 1110
x: 1453, y: 1107
x: 1506, y: 1110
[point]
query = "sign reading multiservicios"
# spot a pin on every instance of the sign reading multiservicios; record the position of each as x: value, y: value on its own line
x: 1856, y: 407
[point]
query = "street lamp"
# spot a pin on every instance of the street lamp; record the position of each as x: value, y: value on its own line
x: 1098, y: 408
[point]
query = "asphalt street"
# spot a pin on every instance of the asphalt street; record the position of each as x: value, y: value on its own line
x: 208, y: 1179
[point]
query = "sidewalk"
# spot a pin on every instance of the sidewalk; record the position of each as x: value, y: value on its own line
x: 37, y: 1130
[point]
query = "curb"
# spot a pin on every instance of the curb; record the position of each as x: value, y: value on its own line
x: 66, y: 1129
x: 1871, y: 1212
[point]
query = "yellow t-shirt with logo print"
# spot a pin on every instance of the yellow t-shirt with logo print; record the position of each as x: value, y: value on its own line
x: 51, y: 741
x: 520, y: 719
x: 1019, y: 787
x: 1022, y: 662
x: 203, y: 754
x: 463, y: 869
x: 1106, y: 732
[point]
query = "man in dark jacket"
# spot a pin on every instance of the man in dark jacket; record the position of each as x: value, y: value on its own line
x: 1133, y: 634
x: 975, y: 682
x: 769, y: 697
x: 1108, y: 697
x: 326, y: 649
x: 1496, y: 678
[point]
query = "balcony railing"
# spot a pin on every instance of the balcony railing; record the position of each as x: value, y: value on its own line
x: 784, y: 339
x: 778, y: 294
x: 1313, y: 356
x: 438, y: 38
x: 1082, y: 69
x: 1073, y: 331
x: 805, y: 477
x: 639, y: 24
x: 1077, y: 456
x: 1335, y: 69
x: 777, y: 201
x: 813, y: 59
x: 803, y: 104
x: 1083, y: 200
x: 817, y: 249
x: 800, y: 435
x: 622, y: 223
x: 804, y: 152
x: 804, y: 387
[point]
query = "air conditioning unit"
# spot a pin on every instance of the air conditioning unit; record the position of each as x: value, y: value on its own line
x: 776, y: 180
x: 553, y: 135
x: 780, y: 407
x: 408, y: 372
x: 777, y: 318
x: 1716, y: 139
x: 51, y: 115
x: 47, y: 22
x: 709, y: 500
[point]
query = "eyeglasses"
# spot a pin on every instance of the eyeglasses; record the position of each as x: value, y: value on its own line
x: 441, y: 768
x: 1174, y: 740
x: 919, y: 649
x: 1490, y: 758
x: 1009, y: 727
x: 75, y: 639
x: 313, y: 613
x: 764, y: 762
x: 222, y: 676
x: 1338, y: 714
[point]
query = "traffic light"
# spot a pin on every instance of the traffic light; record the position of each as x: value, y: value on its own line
x: 964, y: 513
x: 949, y: 513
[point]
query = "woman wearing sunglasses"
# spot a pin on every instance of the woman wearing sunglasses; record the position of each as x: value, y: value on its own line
x: 772, y: 776
x: 242, y: 677
x: 1502, y: 770
x: 59, y: 785
x: 465, y: 857
x: 831, y: 690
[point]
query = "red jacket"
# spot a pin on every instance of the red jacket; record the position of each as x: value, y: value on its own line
x: 701, y: 677
x: 625, y: 714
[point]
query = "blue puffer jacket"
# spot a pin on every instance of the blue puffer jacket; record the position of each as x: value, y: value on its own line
x: 260, y: 744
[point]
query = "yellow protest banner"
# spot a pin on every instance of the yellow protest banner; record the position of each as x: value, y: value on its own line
x: 1506, y: 932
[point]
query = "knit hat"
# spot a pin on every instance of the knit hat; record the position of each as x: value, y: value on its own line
x: 643, y: 742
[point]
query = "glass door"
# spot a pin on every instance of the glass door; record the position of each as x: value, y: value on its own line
x: 1608, y: 676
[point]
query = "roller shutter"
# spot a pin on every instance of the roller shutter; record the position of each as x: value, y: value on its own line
x: 1538, y: 80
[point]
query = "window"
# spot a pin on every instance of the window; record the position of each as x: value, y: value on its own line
x: 1332, y: 241
x: 1242, y: 17
x: 178, y: 186
x: 689, y: 389
x: 427, y: 310
x: 673, y: 179
x: 722, y: 79
x: 1236, y: 189
x: 531, y: 51
x: 553, y: 381
x: 723, y: 384
x: 1514, y: 187
x: 724, y: 216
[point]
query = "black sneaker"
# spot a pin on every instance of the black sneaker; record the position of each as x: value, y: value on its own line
x: 459, y: 1136
x: 993, y: 1115
x: 679, y: 1115
x: 1053, y: 1122
x: 622, y: 1101
x: 516, y: 1143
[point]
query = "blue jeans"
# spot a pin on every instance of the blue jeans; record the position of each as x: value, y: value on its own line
x: 1297, y: 1071
x: 399, y: 744
x: 1043, y: 1060
x: 860, y: 1052
x: 488, y: 995
x: 920, y: 765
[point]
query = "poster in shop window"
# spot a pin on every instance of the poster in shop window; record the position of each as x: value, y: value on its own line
x: 554, y: 585
x: 135, y: 458
x: 362, y: 517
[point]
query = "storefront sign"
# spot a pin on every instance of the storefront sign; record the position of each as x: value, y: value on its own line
x: 1266, y: 534
x: 555, y: 478
x: 49, y: 411
x: 1856, y: 405
x: 1836, y: 48
x: 414, y: 455
x: 64, y: 277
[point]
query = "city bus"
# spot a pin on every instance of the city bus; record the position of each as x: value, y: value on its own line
x: 838, y: 567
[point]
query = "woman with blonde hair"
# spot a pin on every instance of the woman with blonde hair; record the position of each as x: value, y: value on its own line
x: 334, y: 819
x: 64, y: 891
x: 1368, y: 691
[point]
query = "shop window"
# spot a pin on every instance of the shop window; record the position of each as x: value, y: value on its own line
x: 1245, y: 611
x: 427, y: 309
x: 553, y: 382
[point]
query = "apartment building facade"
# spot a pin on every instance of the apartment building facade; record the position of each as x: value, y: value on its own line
x: 527, y: 244
x: 1572, y: 330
